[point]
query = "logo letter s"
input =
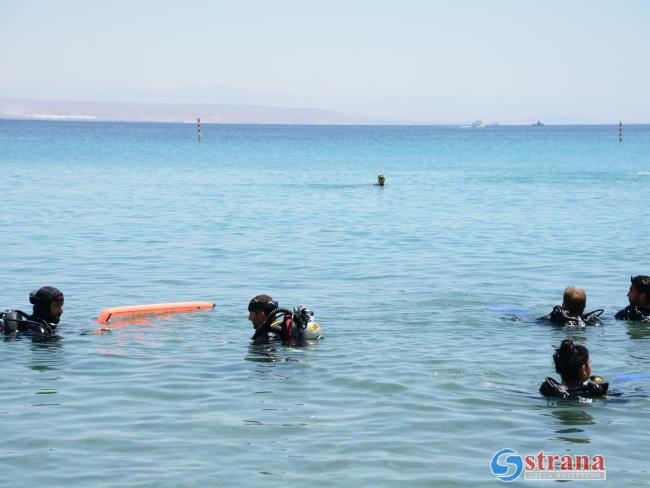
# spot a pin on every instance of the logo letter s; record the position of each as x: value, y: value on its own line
x: 501, y: 470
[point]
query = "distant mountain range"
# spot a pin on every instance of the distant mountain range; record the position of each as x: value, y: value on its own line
x: 162, y: 112
x: 27, y: 109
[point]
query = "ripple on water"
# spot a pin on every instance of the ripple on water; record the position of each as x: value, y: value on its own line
x: 416, y: 382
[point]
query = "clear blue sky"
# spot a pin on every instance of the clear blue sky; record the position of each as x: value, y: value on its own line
x: 434, y: 61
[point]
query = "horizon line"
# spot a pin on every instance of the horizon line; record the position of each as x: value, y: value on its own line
x: 236, y: 116
x: 66, y: 119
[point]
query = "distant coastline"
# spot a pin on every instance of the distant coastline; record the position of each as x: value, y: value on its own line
x: 92, y: 111
x: 24, y: 109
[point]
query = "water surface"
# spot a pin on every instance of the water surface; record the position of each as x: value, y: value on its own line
x: 415, y: 382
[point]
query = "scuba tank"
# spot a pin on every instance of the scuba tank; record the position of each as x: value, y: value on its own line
x: 18, y: 321
x: 291, y: 326
x: 311, y: 329
x: 11, y: 321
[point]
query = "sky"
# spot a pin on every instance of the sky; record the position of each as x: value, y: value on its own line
x: 578, y: 61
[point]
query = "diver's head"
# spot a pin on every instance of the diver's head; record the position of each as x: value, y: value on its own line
x: 575, y: 300
x: 259, y: 309
x: 572, y: 363
x: 48, y: 303
x: 639, y: 293
x: 381, y: 179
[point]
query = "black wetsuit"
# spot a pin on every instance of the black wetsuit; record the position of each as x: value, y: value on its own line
x: 33, y: 325
x: 632, y: 312
x: 594, y: 388
x: 560, y: 316
x: 39, y: 327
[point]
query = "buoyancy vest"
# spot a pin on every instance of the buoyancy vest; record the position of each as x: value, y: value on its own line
x: 595, y: 387
x: 562, y: 317
x: 632, y: 312
x: 18, y: 321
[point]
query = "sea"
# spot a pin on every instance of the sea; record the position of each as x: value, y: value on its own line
x: 426, y: 289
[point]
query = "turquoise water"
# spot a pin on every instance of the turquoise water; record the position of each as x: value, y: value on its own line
x: 415, y: 381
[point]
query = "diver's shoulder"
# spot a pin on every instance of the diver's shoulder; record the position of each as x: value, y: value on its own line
x: 623, y: 314
x: 632, y: 312
x: 595, y: 387
x: 553, y: 389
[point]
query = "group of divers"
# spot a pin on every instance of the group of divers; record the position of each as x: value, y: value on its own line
x: 270, y: 321
x: 295, y: 326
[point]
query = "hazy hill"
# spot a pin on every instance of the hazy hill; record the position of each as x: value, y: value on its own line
x: 161, y: 112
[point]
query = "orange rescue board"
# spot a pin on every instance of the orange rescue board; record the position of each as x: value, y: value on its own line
x: 153, y: 308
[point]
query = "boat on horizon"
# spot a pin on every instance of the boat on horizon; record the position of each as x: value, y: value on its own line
x: 480, y: 123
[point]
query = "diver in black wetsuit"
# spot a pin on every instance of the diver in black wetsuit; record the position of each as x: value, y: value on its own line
x: 271, y: 322
x: 571, y: 312
x: 639, y: 297
x: 259, y: 309
x: 574, y: 366
x: 46, y: 314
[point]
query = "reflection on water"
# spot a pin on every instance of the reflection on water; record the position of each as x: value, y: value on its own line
x: 46, y: 355
x: 42, y: 367
x: 10, y: 337
x: 262, y: 353
x: 638, y: 330
x: 571, y: 416
x: 273, y: 352
x: 17, y: 336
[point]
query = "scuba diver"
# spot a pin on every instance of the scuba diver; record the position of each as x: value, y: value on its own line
x: 639, y: 297
x: 571, y: 312
x: 271, y: 322
x: 381, y: 179
x: 574, y: 366
x: 46, y: 314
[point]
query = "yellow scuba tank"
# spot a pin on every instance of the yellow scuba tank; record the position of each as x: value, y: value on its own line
x: 311, y: 331
x: 294, y: 325
x: 305, y: 318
